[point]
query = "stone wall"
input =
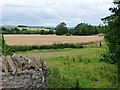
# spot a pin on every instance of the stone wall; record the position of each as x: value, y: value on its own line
x: 23, y: 72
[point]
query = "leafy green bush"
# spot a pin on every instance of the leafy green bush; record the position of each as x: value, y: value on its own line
x: 6, y: 50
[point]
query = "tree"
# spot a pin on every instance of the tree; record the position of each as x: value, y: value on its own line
x: 85, y: 29
x: 16, y: 30
x: 113, y: 34
x: 61, y: 29
x: 6, y: 31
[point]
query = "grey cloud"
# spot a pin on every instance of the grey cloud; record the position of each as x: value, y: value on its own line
x: 53, y: 12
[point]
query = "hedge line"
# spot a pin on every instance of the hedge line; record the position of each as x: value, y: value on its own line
x: 54, y: 46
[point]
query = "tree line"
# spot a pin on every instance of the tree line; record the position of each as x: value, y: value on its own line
x: 25, y: 31
x: 60, y: 29
x: 80, y: 29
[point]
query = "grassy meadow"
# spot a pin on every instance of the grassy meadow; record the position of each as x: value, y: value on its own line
x: 73, y: 68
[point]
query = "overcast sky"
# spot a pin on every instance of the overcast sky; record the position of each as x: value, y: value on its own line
x: 52, y: 12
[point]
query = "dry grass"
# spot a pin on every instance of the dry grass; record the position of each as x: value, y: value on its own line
x: 48, y: 39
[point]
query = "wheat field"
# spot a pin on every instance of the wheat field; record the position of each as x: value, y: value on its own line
x: 48, y: 39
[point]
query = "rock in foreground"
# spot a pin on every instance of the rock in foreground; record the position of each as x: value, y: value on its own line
x: 23, y: 72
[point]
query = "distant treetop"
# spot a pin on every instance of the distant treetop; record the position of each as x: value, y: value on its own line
x: 22, y: 26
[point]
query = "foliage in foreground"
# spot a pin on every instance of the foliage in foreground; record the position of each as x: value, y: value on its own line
x: 6, y: 50
x: 113, y: 35
x: 81, y: 73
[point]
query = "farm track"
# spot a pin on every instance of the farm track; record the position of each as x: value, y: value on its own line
x: 48, y: 39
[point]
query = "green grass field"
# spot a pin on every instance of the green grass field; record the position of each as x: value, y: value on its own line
x: 70, y: 68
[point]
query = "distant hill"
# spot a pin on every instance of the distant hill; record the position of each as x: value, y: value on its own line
x: 25, y: 26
